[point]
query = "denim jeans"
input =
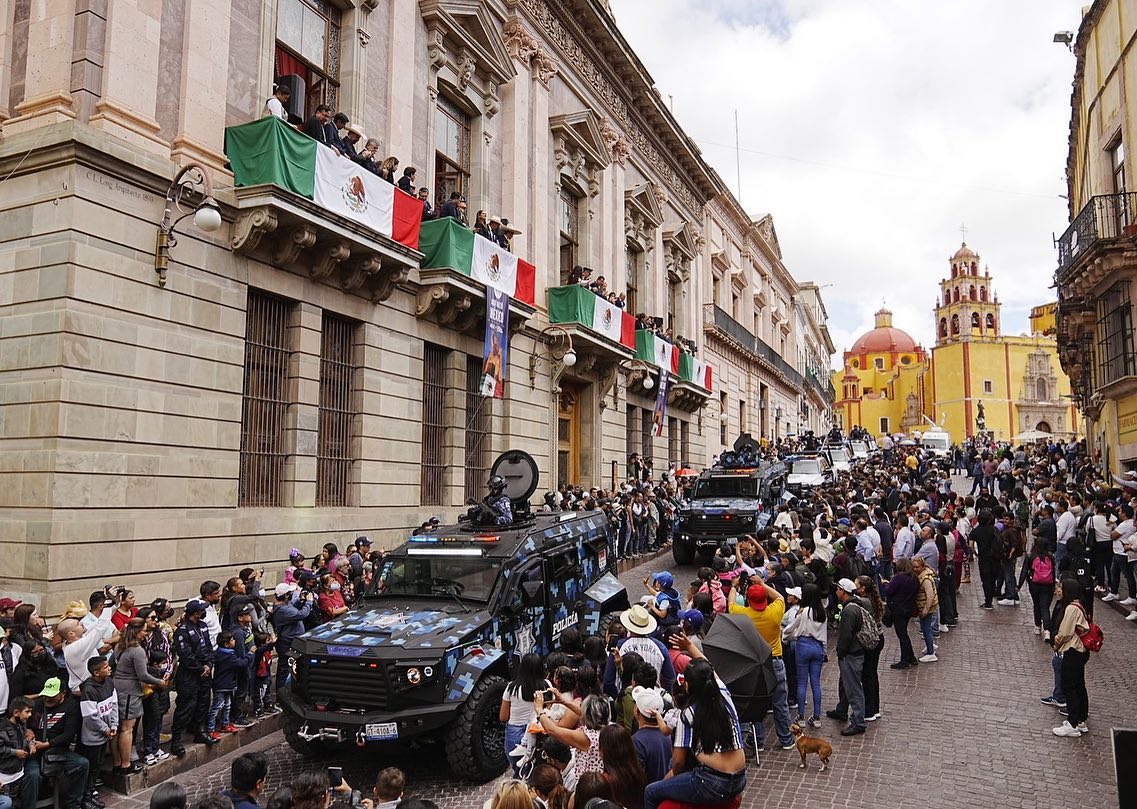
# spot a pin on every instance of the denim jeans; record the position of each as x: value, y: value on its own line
x: 852, y: 669
x: 700, y: 785
x: 1056, y: 664
x: 73, y: 781
x: 1121, y: 565
x: 1101, y: 556
x: 810, y: 656
x: 514, y: 734
x: 1059, y: 555
x: 780, y: 706
x: 927, y: 627
x: 900, y: 622
x: 1009, y: 589
x: 219, y: 710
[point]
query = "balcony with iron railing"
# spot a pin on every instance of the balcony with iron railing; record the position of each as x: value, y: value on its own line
x: 717, y: 320
x: 1105, y: 220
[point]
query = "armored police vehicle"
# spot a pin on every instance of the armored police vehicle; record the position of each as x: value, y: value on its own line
x: 428, y: 653
x: 736, y: 497
x: 808, y: 471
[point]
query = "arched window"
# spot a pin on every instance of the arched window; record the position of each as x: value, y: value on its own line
x: 943, y: 327
x: 974, y: 268
x: 955, y: 324
x: 955, y: 295
x: 983, y: 294
x: 947, y: 297
x: 990, y: 321
x: 954, y: 270
x: 971, y: 292
x: 975, y: 320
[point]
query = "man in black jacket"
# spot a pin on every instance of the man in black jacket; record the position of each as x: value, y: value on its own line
x: 851, y: 655
x: 56, y: 725
x: 314, y: 127
x: 195, y: 660
x: 884, y: 528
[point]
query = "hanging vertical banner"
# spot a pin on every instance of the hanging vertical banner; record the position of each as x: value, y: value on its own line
x: 660, y: 414
x: 495, y: 353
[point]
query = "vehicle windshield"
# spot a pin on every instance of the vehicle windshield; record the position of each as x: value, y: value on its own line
x: 733, y: 486
x: 471, y: 578
x: 837, y: 455
x: 935, y: 441
x: 806, y: 466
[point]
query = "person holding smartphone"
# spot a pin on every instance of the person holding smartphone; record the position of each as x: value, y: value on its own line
x: 517, y: 710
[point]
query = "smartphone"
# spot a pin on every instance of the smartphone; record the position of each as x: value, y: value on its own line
x: 335, y: 776
x: 548, y: 695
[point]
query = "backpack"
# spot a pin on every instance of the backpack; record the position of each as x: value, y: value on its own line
x: 1042, y: 570
x: 870, y: 632
x: 857, y: 566
x: 1093, y: 637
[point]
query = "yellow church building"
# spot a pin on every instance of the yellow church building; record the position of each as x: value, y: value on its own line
x: 888, y: 383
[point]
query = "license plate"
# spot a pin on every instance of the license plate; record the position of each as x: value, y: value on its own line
x: 381, y: 731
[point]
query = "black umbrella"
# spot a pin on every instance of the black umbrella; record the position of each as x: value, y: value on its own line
x: 744, y: 661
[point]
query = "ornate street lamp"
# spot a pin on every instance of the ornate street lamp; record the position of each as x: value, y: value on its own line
x: 206, y: 215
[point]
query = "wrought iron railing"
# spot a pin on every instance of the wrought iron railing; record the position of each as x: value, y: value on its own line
x: 1104, y: 217
x: 714, y: 316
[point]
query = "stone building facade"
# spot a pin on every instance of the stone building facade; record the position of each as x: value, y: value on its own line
x: 299, y: 379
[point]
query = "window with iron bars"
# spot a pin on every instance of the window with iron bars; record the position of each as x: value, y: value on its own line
x: 477, y: 431
x: 1115, y: 357
x: 630, y: 435
x: 433, y: 425
x: 264, y: 401
x: 673, y: 440
x: 334, y: 450
x: 647, y: 448
x: 684, y: 443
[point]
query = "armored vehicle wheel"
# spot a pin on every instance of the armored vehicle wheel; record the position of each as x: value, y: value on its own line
x: 683, y: 554
x: 475, y: 742
x: 291, y: 726
x: 607, y: 620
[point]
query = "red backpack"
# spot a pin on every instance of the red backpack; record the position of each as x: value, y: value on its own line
x: 1042, y: 570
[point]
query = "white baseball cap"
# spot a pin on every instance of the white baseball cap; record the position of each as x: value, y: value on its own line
x: 648, y: 700
x: 283, y: 589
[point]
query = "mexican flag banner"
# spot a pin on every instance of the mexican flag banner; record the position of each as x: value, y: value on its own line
x: 577, y: 304
x: 268, y: 151
x: 694, y: 370
x: 655, y: 350
x: 448, y: 243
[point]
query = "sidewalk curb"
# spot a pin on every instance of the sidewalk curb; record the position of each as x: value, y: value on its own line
x: 630, y: 562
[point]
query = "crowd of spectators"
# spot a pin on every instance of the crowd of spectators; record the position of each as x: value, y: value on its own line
x: 336, y: 131
x: 96, y: 685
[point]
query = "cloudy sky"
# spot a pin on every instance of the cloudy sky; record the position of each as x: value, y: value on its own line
x: 872, y: 129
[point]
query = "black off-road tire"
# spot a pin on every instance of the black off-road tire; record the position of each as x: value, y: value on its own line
x: 681, y: 553
x: 291, y: 724
x: 475, y: 741
x: 606, y: 621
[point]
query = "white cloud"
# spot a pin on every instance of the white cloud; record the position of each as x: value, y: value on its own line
x: 872, y: 129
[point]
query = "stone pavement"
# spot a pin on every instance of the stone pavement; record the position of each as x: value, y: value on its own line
x: 968, y: 730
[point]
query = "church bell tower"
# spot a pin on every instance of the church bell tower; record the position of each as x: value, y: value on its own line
x: 967, y: 307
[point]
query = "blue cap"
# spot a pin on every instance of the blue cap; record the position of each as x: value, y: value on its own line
x: 692, y: 617
x: 663, y: 579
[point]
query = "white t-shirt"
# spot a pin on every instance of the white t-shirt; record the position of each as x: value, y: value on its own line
x: 1102, y: 528
x: 1125, y: 533
x: 521, y: 712
x: 274, y: 108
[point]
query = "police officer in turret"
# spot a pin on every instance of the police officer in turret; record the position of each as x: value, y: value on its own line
x: 495, y: 508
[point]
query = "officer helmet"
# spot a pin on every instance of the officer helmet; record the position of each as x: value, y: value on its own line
x: 496, y: 484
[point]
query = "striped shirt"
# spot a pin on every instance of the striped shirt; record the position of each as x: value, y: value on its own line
x: 685, y: 732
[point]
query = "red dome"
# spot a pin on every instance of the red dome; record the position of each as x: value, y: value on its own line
x: 882, y: 340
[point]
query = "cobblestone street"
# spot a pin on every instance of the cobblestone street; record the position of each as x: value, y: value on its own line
x: 970, y: 725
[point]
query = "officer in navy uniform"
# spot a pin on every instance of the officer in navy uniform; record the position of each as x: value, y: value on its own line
x: 496, y: 508
x: 195, y: 661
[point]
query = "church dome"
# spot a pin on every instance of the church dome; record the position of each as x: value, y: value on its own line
x: 964, y: 252
x: 884, y: 338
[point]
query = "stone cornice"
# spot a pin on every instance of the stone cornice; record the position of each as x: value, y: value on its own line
x: 566, y: 35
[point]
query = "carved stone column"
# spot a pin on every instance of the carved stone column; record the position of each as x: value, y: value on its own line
x: 7, y: 17
x: 47, y: 83
x: 204, y: 86
x: 402, y: 15
x: 129, y: 99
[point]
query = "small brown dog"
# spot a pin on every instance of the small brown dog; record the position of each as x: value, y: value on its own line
x: 811, y: 744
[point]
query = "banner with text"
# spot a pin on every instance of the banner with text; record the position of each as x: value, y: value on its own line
x: 660, y: 414
x: 496, y: 352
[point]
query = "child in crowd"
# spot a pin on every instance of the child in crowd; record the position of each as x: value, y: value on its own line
x: 226, y: 666
x: 262, y: 675
x: 389, y: 787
